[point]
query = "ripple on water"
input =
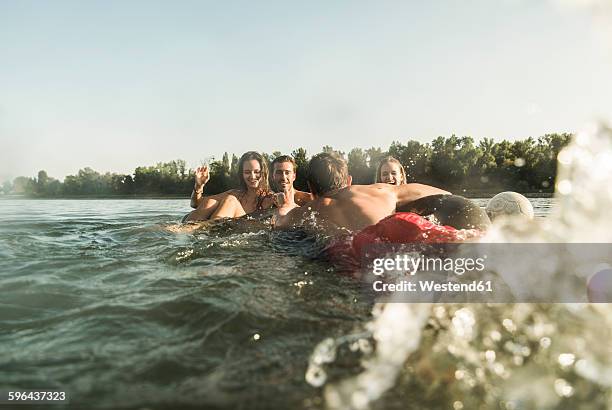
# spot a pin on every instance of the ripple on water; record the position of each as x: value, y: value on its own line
x: 102, y: 300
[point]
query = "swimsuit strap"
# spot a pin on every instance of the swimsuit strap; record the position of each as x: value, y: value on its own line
x: 261, y: 198
x: 259, y: 204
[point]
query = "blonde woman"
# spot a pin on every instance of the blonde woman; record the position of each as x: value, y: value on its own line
x: 390, y: 171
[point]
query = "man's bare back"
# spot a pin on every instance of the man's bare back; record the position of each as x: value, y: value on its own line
x: 354, y: 207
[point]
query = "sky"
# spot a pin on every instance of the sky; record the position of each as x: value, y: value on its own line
x: 113, y: 85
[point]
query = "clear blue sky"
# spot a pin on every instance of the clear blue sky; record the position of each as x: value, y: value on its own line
x: 113, y: 85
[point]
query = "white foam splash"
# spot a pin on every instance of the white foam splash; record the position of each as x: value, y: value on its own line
x: 396, y: 329
x: 584, y: 196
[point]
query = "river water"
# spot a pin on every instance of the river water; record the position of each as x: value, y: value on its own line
x: 108, y: 301
x: 103, y: 300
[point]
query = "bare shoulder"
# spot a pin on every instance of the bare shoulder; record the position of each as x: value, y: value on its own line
x: 233, y: 192
x: 411, y: 192
x: 372, y: 189
x: 222, y: 195
x: 421, y: 188
x: 381, y: 186
x: 301, y: 197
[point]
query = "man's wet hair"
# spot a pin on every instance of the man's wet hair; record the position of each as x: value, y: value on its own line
x: 327, y: 172
x: 451, y: 210
x: 284, y: 158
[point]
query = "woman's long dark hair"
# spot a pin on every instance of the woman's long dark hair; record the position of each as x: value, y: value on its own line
x: 264, y: 187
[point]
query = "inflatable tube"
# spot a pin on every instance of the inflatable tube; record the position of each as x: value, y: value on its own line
x: 408, y: 227
x: 399, y: 228
x: 451, y: 210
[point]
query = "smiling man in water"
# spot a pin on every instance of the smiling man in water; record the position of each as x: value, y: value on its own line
x: 283, y: 176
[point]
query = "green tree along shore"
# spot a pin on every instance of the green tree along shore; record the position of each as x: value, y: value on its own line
x: 458, y: 164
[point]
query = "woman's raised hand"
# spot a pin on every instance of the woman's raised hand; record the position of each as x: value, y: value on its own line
x: 201, y: 177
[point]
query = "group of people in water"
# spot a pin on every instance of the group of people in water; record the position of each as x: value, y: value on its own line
x: 333, y: 202
x: 254, y: 193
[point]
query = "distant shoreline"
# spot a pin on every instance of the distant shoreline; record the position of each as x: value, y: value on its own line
x: 186, y: 197
x: 467, y: 194
x: 488, y: 194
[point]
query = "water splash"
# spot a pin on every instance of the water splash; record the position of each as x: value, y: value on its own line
x: 501, y: 355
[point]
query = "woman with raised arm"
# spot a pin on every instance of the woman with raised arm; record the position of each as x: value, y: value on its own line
x: 254, y: 193
x: 201, y: 178
x: 204, y: 205
x: 390, y: 171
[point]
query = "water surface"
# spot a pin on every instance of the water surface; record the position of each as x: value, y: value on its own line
x: 101, y: 299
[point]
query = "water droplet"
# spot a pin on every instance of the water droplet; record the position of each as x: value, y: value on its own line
x: 457, y: 405
x: 440, y: 312
x: 545, y: 342
x: 519, y: 162
x: 256, y: 336
x: 359, y: 400
x: 509, y: 325
x: 463, y: 323
x: 563, y: 388
x: 365, y: 346
x: 565, y: 157
x: 566, y: 359
x: 564, y: 187
x: 315, y: 376
x: 325, y: 352
x: 499, y: 369
x: 480, y: 373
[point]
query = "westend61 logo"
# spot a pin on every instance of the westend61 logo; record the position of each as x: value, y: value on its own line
x: 489, y: 272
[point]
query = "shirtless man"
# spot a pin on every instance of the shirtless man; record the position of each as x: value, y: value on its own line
x: 339, y: 206
x: 283, y: 176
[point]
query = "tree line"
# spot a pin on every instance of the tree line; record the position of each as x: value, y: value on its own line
x: 453, y: 163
